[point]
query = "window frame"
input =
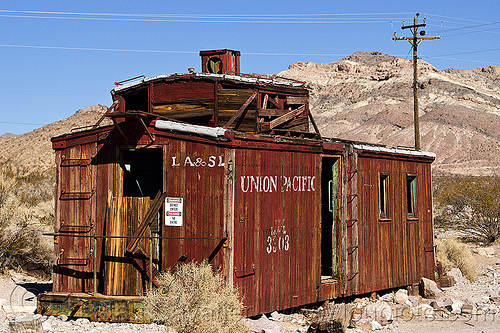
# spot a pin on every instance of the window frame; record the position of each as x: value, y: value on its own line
x: 383, y: 193
x: 411, y: 196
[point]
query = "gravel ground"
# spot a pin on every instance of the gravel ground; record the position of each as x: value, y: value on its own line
x: 18, y: 299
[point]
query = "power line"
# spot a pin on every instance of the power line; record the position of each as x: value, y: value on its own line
x: 303, y: 18
x: 458, y: 59
x: 209, y: 20
x: 469, y: 52
x: 472, y: 32
x: 246, y: 53
x: 458, y: 18
x: 162, y: 51
x: 93, y: 49
x: 198, y: 15
x: 14, y: 123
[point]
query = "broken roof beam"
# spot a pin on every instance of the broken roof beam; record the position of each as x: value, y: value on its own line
x: 241, y: 110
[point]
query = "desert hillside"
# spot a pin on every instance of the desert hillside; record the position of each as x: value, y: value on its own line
x: 368, y: 97
x: 33, y: 151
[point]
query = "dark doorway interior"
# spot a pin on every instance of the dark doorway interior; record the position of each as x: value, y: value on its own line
x: 142, y: 172
x: 329, y: 216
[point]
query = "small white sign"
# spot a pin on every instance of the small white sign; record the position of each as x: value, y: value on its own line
x: 173, y: 212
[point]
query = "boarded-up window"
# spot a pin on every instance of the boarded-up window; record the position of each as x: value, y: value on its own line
x: 383, y: 190
x: 411, y: 195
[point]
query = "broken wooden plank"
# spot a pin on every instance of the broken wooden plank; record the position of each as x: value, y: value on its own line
x: 287, y: 117
x: 272, y: 112
x: 296, y: 100
x: 153, y: 209
x: 180, y: 111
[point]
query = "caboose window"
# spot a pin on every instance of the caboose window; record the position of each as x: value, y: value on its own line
x: 411, y: 195
x: 383, y: 189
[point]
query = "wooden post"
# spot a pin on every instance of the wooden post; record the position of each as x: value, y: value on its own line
x: 150, y: 263
x: 95, y: 265
x: 229, y: 216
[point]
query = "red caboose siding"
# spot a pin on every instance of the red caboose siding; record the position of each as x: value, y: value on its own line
x: 194, y: 171
x: 275, y: 235
x: 394, y: 250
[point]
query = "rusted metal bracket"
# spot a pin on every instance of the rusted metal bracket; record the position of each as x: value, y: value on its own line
x: 77, y: 228
x: 351, y: 249
x: 313, y: 123
x: 351, y: 197
x: 151, y: 136
x: 351, y: 222
x: 73, y: 261
x: 76, y: 195
x: 119, y: 129
x: 112, y: 107
x: 119, y: 83
x: 217, y: 249
x: 69, y: 162
x: 241, y: 110
x: 245, y: 272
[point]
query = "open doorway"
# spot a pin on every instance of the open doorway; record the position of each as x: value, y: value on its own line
x: 330, y: 217
x: 142, y: 172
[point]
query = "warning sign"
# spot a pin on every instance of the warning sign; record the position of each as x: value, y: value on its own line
x: 173, y: 212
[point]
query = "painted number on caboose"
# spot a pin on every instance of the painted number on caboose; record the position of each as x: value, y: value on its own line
x: 278, y: 240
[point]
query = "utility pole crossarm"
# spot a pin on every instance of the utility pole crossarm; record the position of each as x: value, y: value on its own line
x: 419, y: 38
x: 413, y: 26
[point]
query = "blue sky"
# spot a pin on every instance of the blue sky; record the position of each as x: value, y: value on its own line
x: 60, y: 56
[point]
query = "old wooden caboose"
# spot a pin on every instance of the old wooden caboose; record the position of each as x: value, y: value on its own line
x: 222, y: 166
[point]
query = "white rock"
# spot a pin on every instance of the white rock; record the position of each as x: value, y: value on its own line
x: 62, y: 317
x: 276, y: 316
x: 423, y: 310
x: 401, y: 297
x: 47, y: 325
x: 457, y: 275
x: 376, y: 326
x: 263, y: 324
x: 379, y: 311
x: 430, y: 288
x: 82, y: 321
x: 456, y: 306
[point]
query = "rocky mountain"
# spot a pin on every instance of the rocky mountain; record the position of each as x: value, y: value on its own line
x: 369, y: 97
x: 365, y: 97
x: 33, y: 151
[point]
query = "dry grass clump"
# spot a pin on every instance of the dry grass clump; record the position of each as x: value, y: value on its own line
x: 195, y: 299
x: 452, y: 253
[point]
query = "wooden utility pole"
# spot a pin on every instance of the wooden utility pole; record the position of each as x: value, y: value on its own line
x: 414, y: 41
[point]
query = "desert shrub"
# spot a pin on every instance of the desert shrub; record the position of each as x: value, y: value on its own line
x: 26, y: 211
x: 452, y: 253
x: 195, y: 299
x: 469, y: 203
